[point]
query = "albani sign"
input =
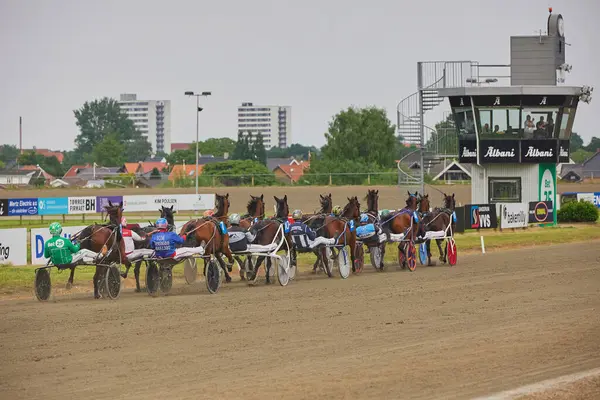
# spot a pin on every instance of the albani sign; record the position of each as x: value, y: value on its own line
x: 510, y: 151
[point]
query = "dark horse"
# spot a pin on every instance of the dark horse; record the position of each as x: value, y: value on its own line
x: 208, y: 230
x: 105, y: 239
x: 340, y: 227
x: 267, y: 232
x: 146, y: 233
x: 255, y: 210
x: 402, y: 222
x: 373, y: 215
x: 316, y: 221
x: 440, y: 219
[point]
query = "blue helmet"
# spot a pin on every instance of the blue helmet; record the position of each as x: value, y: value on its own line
x: 161, y: 223
x: 364, y: 218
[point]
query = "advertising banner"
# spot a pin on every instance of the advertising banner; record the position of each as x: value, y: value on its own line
x: 102, y: 201
x: 3, y: 207
x: 467, y: 151
x: 39, y: 237
x: 541, y: 212
x: 178, y: 201
x: 514, y: 215
x: 480, y: 216
x: 82, y: 205
x: 22, y: 207
x: 53, y: 205
x: 13, y: 246
x: 499, y: 151
x: 539, y: 151
x: 547, y: 184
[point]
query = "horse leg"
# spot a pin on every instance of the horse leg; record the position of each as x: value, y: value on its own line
x: 136, y: 272
x: 428, y: 247
x: 439, y: 245
x: 382, y: 256
x: 259, y: 261
x: 445, y: 253
x: 223, y: 267
x: 70, y: 281
x: 241, y: 264
x: 124, y: 274
x: 317, y: 261
x: 97, y: 277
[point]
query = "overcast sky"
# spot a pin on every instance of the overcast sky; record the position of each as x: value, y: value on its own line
x: 316, y: 56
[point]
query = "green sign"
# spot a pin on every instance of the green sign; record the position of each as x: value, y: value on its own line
x: 547, y: 185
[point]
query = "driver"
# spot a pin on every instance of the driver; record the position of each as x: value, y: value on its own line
x: 130, y: 237
x: 164, y: 243
x: 300, y: 232
x: 337, y: 211
x: 239, y: 237
x: 61, y: 251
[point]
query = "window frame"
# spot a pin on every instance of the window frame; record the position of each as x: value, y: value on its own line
x: 515, y: 179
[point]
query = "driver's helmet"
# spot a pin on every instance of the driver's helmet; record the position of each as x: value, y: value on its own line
x: 161, y: 223
x: 297, y: 214
x: 385, y: 213
x: 364, y: 218
x: 55, y: 229
x: 337, y: 210
x: 234, y: 219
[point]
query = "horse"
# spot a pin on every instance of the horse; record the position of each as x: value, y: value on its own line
x: 315, y: 221
x: 402, y: 222
x: 208, y: 230
x: 440, y: 219
x: 255, y: 210
x: 373, y: 217
x: 340, y: 227
x: 105, y: 239
x: 267, y: 232
x: 146, y: 233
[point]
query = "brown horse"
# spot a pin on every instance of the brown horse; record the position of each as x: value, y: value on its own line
x: 342, y: 227
x: 316, y: 221
x: 402, y: 222
x: 256, y: 210
x: 373, y: 215
x: 267, y: 232
x: 440, y: 219
x: 209, y: 230
x: 104, y: 239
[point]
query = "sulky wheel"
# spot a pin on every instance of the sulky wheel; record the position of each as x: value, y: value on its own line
x: 359, y: 257
x: 343, y: 262
x: 190, y: 270
x: 283, y: 270
x: 293, y: 268
x: 166, y: 279
x: 213, y: 276
x: 152, y: 279
x: 112, y: 282
x: 451, y: 251
x: 423, y: 253
x: 42, y: 284
x: 376, y: 257
x: 411, y: 256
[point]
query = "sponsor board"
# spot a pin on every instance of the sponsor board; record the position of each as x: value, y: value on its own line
x: 39, y: 236
x: 13, y: 246
x: 178, y: 201
x: 499, y: 151
x: 539, y: 151
x: 102, y: 201
x: 481, y: 216
x: 467, y: 151
x: 514, y: 215
x: 541, y: 212
x: 82, y: 205
x: 22, y: 207
x: 547, y: 184
x: 593, y: 198
x: 3, y: 207
x: 53, y: 206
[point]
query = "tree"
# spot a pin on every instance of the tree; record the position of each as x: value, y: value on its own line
x: 581, y: 155
x: 364, y: 135
x: 49, y: 164
x: 237, y: 172
x: 259, y: 153
x: 594, y: 145
x: 100, y: 118
x: 576, y: 142
x: 2, y: 165
x: 109, y: 152
x: 296, y: 150
x: 181, y: 157
x: 155, y: 174
x: 242, y: 147
x: 138, y: 149
x: 216, y: 146
x: 8, y: 153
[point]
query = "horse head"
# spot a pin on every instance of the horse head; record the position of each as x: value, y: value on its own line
x: 326, y: 204
x: 221, y: 205
x: 352, y: 209
x: 256, y: 206
x: 281, y: 207
x: 449, y: 201
x: 424, y: 204
x: 168, y: 213
x: 373, y: 201
x: 412, y: 201
x: 115, y: 212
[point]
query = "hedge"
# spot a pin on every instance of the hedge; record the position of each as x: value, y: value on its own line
x: 581, y: 211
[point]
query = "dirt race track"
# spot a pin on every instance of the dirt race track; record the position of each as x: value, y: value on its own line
x: 490, y: 324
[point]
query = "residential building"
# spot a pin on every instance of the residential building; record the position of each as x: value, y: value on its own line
x: 589, y: 169
x: 152, y: 118
x: 15, y: 177
x: 180, y: 146
x: 292, y: 172
x: 273, y: 123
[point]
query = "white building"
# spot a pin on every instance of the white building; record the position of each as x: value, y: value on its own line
x: 152, y: 118
x: 274, y: 123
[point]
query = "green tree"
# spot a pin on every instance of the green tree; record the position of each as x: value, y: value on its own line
x: 110, y: 152
x: 49, y: 164
x: 594, y: 145
x: 138, y: 149
x: 296, y: 150
x: 217, y: 146
x: 2, y: 165
x: 259, y: 153
x: 155, y: 174
x: 242, y: 149
x: 581, y: 155
x: 8, y: 153
x: 237, y: 172
x: 181, y: 157
x: 30, y: 158
x: 576, y: 142
x: 364, y: 135
x: 100, y: 118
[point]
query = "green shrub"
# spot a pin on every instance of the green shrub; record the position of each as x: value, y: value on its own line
x: 582, y: 211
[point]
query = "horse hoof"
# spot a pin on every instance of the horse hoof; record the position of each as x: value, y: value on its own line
x: 68, y: 286
x: 227, y: 279
x: 138, y: 290
x: 97, y: 296
x: 124, y: 276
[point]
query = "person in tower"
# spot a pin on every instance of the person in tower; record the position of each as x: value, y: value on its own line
x: 61, y: 251
x: 304, y: 237
x: 130, y: 237
x: 164, y: 243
